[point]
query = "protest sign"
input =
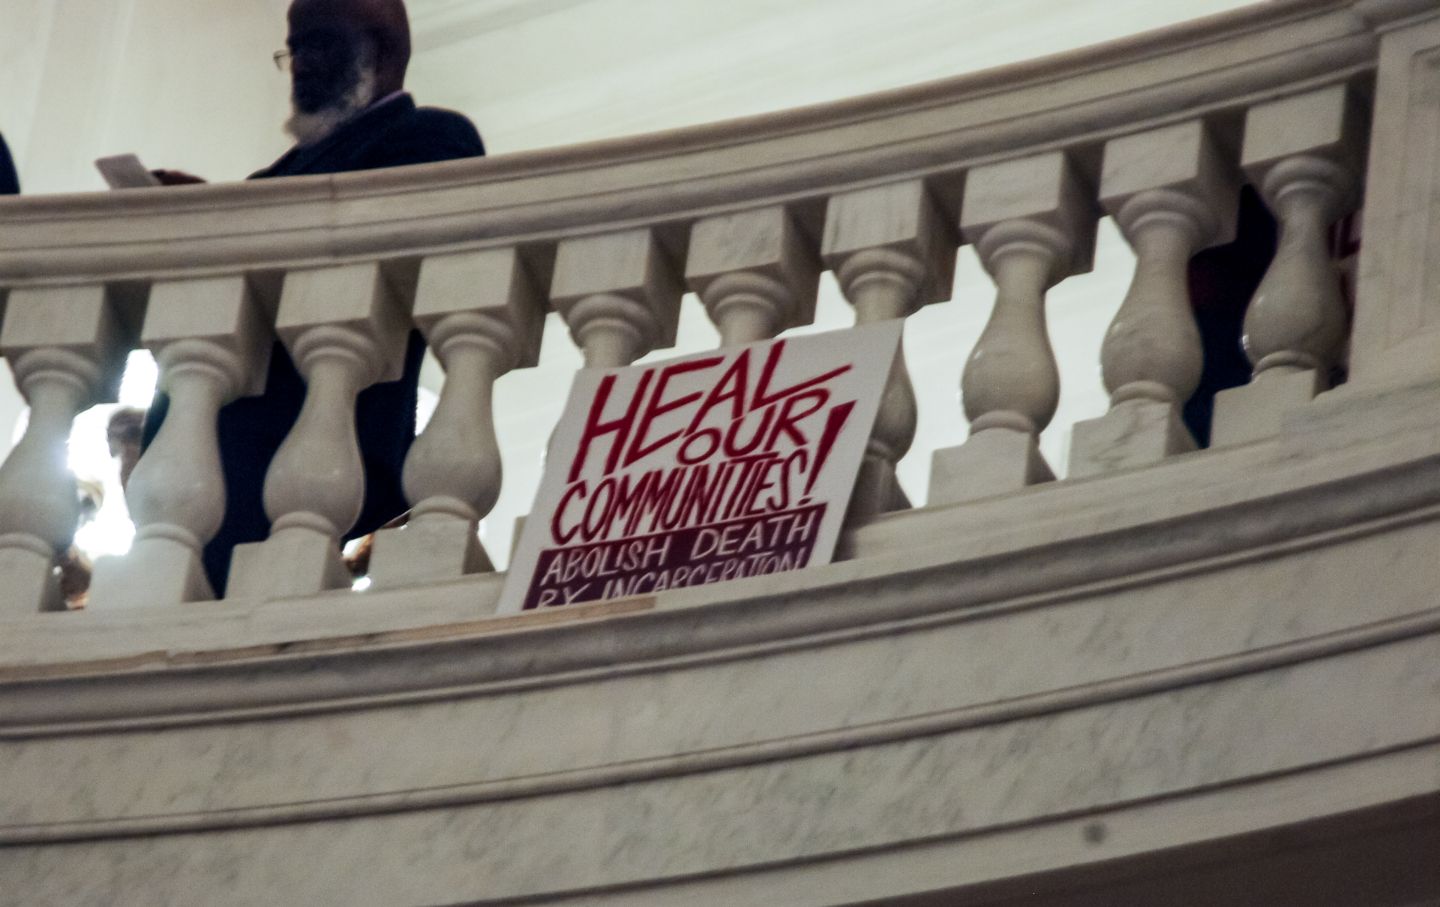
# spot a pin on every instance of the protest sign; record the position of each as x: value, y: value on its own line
x: 719, y: 466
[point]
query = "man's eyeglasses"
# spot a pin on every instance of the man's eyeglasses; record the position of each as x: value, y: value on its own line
x: 318, y: 45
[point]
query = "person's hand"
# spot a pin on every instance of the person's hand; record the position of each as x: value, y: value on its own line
x: 175, y: 177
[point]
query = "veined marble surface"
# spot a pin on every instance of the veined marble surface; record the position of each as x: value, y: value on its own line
x: 932, y: 667
x: 1161, y: 745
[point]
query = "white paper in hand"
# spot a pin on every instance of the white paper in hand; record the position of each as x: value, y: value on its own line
x: 124, y: 171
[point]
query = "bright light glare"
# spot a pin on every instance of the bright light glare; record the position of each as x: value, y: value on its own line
x: 112, y: 532
x: 137, y: 388
x: 425, y: 405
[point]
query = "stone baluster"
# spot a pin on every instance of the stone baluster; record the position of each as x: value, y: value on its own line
x: 893, y: 252
x: 755, y: 271
x: 345, y: 330
x: 482, y: 313
x: 1395, y: 336
x: 1305, y: 153
x: 66, y: 348
x: 619, y: 293
x: 1172, y: 193
x: 212, y: 346
x: 1032, y: 221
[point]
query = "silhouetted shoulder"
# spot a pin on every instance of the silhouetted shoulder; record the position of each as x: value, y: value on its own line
x: 440, y: 119
x: 395, y: 133
x: 431, y: 134
x: 10, y: 183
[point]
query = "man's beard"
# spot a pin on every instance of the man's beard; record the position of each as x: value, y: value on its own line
x: 309, y: 128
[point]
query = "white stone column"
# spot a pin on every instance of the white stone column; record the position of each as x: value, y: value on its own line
x: 1033, y: 223
x: 212, y: 346
x: 619, y: 293
x: 345, y: 330
x: 893, y: 251
x: 1304, y: 153
x: 482, y: 313
x: 756, y: 272
x: 1395, y: 341
x: 1172, y: 193
x: 66, y: 347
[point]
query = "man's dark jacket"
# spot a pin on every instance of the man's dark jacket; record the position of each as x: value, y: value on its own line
x: 391, y: 134
x: 9, y: 182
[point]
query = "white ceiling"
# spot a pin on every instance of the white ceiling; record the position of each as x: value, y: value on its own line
x: 536, y: 73
x: 437, y: 23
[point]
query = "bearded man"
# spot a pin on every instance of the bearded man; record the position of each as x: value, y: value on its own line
x: 347, y: 62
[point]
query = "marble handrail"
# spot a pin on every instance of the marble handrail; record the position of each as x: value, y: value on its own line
x: 933, y: 131
x: 1157, y: 130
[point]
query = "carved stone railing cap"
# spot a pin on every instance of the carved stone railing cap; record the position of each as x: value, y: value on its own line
x: 935, y: 130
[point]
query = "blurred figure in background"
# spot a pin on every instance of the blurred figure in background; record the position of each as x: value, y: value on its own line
x: 74, y: 564
x: 123, y: 433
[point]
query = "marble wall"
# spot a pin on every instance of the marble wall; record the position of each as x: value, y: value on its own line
x: 1173, y: 711
x: 187, y: 85
x: 24, y: 46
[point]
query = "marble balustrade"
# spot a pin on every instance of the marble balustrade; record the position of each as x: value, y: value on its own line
x: 611, y: 237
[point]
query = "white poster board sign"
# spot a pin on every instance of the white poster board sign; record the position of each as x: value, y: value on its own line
x: 719, y: 466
